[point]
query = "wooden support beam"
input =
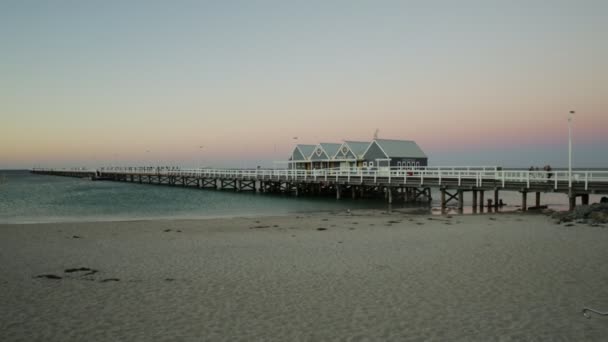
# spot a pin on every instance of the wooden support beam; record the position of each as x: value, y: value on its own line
x: 450, y: 196
x: 460, y: 199
x: 389, y: 192
x: 338, y: 191
x: 474, y: 200
x: 496, y: 198
x: 524, y: 200
x: 443, y: 202
x: 481, y: 195
x: 571, y: 202
x: 585, y: 199
x: 537, y: 199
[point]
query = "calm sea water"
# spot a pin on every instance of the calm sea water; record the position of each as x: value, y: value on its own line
x: 28, y: 198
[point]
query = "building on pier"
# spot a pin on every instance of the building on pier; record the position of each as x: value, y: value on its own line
x: 300, y: 157
x: 384, y: 153
x: 379, y: 153
x: 322, y: 156
x: 350, y: 154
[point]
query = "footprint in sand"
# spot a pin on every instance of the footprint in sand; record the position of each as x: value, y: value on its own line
x: 89, y: 271
x: 109, y: 280
x: 48, y: 276
x: 259, y: 227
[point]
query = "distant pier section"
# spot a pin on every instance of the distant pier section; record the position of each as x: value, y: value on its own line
x: 391, y: 183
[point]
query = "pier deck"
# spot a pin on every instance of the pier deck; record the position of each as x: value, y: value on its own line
x: 407, y: 184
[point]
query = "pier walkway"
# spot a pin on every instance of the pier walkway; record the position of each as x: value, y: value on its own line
x: 406, y: 184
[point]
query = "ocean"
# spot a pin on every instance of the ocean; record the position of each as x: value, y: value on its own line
x: 29, y: 198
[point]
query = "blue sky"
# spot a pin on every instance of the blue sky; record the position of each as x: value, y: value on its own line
x: 473, y: 82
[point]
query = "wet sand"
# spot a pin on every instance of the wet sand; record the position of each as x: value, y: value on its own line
x: 347, y: 276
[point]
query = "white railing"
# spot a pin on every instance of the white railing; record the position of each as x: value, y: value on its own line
x: 65, y: 169
x: 430, y: 175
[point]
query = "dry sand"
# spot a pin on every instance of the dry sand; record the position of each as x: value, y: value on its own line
x: 368, y: 276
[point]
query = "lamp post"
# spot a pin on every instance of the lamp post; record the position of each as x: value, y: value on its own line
x: 295, y: 144
x: 570, y: 117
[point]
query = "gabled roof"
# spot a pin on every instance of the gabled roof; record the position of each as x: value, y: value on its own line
x: 358, y: 147
x: 306, y: 150
x: 324, y: 151
x: 344, y: 153
x: 330, y: 148
x: 400, y: 148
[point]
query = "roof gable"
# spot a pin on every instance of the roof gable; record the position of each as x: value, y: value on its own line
x: 374, y: 151
x: 330, y: 148
x: 318, y: 154
x: 306, y: 150
x: 358, y: 148
x: 344, y: 152
x: 297, y: 154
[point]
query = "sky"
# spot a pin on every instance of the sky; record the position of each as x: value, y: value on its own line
x: 232, y: 83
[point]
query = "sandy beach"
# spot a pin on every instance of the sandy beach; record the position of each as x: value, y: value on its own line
x: 360, y: 276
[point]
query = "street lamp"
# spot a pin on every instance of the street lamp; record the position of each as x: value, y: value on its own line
x: 570, y: 117
x: 295, y: 144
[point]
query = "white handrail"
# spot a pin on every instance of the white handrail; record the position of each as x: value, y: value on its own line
x: 479, y: 175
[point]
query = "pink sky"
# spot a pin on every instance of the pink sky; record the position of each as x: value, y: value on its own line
x: 470, y: 83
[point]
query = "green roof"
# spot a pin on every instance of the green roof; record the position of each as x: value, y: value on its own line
x: 358, y: 147
x: 306, y: 149
x: 400, y: 148
x: 330, y: 148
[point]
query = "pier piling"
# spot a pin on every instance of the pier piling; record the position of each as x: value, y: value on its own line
x: 474, y: 200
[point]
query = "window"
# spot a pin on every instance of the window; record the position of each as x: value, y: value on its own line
x: 364, y: 164
x: 398, y: 164
x: 418, y: 164
x: 371, y: 164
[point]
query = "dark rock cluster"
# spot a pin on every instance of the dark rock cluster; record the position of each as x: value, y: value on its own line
x: 596, y: 213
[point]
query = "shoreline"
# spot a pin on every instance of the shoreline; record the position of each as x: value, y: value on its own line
x: 409, y: 210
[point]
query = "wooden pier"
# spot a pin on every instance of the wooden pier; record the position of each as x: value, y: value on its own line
x: 413, y: 184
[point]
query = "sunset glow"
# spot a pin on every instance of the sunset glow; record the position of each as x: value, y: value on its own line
x: 232, y: 84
